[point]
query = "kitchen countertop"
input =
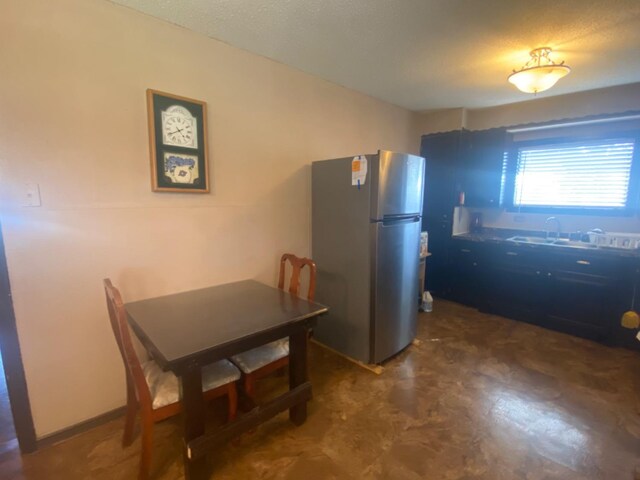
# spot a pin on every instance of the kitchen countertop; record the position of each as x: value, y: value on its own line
x: 501, y: 236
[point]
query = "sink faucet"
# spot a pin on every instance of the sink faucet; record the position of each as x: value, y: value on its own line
x: 551, y: 219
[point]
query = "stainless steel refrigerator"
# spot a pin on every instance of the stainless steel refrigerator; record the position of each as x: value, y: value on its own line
x: 365, y: 242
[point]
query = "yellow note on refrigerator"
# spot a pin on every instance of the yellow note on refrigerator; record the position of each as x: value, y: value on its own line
x: 358, y: 170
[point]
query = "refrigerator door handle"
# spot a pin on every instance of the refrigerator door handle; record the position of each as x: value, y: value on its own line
x: 398, y: 220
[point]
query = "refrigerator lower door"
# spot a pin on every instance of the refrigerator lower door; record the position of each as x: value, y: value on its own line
x: 394, y: 286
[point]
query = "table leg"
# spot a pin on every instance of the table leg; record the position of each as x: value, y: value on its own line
x: 193, y: 414
x: 298, y: 372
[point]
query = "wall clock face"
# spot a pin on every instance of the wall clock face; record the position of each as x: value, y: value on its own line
x: 179, y: 127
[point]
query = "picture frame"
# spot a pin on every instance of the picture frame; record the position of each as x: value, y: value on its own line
x: 177, y: 143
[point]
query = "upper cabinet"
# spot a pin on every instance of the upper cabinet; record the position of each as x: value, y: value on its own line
x: 442, y: 153
x: 481, y: 170
x: 463, y: 161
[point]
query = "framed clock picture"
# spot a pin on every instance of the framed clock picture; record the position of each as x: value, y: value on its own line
x: 178, y: 143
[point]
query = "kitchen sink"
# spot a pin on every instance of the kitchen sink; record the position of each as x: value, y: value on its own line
x: 572, y: 243
x: 557, y: 242
x: 531, y: 240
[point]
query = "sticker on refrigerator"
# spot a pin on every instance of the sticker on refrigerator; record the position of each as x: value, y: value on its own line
x: 358, y: 170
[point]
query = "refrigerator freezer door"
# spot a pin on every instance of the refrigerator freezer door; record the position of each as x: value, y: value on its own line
x: 397, y: 185
x: 395, y: 286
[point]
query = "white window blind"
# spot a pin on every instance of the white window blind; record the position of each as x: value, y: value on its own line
x: 577, y: 175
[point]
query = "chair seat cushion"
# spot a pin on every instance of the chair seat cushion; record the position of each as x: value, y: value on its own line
x: 252, y: 360
x: 164, y: 385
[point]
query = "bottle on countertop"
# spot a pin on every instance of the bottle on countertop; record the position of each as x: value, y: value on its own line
x: 475, y: 223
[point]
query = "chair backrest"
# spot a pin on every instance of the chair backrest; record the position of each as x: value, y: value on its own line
x: 120, y: 327
x: 297, y: 264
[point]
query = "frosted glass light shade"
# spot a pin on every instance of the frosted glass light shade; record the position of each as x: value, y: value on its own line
x: 538, y: 79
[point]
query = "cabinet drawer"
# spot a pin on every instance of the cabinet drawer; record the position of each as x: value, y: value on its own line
x: 585, y: 265
x: 517, y: 257
x: 465, y: 252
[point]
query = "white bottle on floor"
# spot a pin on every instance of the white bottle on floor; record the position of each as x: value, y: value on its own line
x: 427, y: 302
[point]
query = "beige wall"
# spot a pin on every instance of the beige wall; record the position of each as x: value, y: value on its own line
x: 593, y: 102
x: 434, y: 121
x: 73, y: 120
x: 610, y: 100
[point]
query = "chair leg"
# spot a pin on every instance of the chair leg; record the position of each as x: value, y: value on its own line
x: 130, y: 418
x: 249, y: 385
x: 232, y: 395
x: 147, y: 446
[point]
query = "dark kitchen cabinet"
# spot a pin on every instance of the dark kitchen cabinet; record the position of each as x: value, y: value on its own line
x: 466, y: 283
x: 516, y: 283
x: 576, y: 292
x: 582, y: 295
x: 437, y: 271
x: 481, y: 173
x: 441, y: 153
x: 627, y: 298
x: 578, y: 304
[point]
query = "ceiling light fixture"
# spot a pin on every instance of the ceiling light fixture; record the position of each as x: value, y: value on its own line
x: 540, y: 73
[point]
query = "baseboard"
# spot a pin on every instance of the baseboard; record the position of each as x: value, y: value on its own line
x: 78, y: 428
x: 377, y: 369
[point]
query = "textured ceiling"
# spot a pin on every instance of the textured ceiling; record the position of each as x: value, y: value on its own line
x: 425, y: 54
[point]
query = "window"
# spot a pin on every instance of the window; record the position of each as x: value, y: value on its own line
x: 584, y: 175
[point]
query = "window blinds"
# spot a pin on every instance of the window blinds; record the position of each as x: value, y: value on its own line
x: 589, y: 174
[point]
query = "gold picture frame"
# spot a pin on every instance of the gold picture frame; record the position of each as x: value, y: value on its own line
x: 177, y: 143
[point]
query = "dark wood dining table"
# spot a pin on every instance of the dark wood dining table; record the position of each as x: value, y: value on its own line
x: 185, y: 331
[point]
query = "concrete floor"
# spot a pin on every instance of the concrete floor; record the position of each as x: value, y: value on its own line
x: 480, y: 397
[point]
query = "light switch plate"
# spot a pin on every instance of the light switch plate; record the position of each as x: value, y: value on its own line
x: 31, y: 195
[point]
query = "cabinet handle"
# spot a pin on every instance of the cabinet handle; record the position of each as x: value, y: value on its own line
x: 549, y: 274
x: 465, y: 250
x: 513, y: 254
x: 583, y: 262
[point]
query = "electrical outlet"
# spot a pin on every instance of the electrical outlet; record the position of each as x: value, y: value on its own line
x: 31, y: 195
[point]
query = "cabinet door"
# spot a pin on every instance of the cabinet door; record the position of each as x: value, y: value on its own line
x: 582, y: 296
x: 516, y: 284
x: 466, y: 273
x: 483, y: 167
x: 441, y: 162
x: 437, y: 274
x: 627, y: 298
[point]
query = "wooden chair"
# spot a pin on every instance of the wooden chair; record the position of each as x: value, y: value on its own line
x: 264, y: 360
x: 154, y: 392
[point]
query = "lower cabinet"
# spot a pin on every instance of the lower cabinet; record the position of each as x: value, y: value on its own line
x: 515, y: 284
x: 465, y: 283
x: 572, y: 291
x: 580, y: 304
